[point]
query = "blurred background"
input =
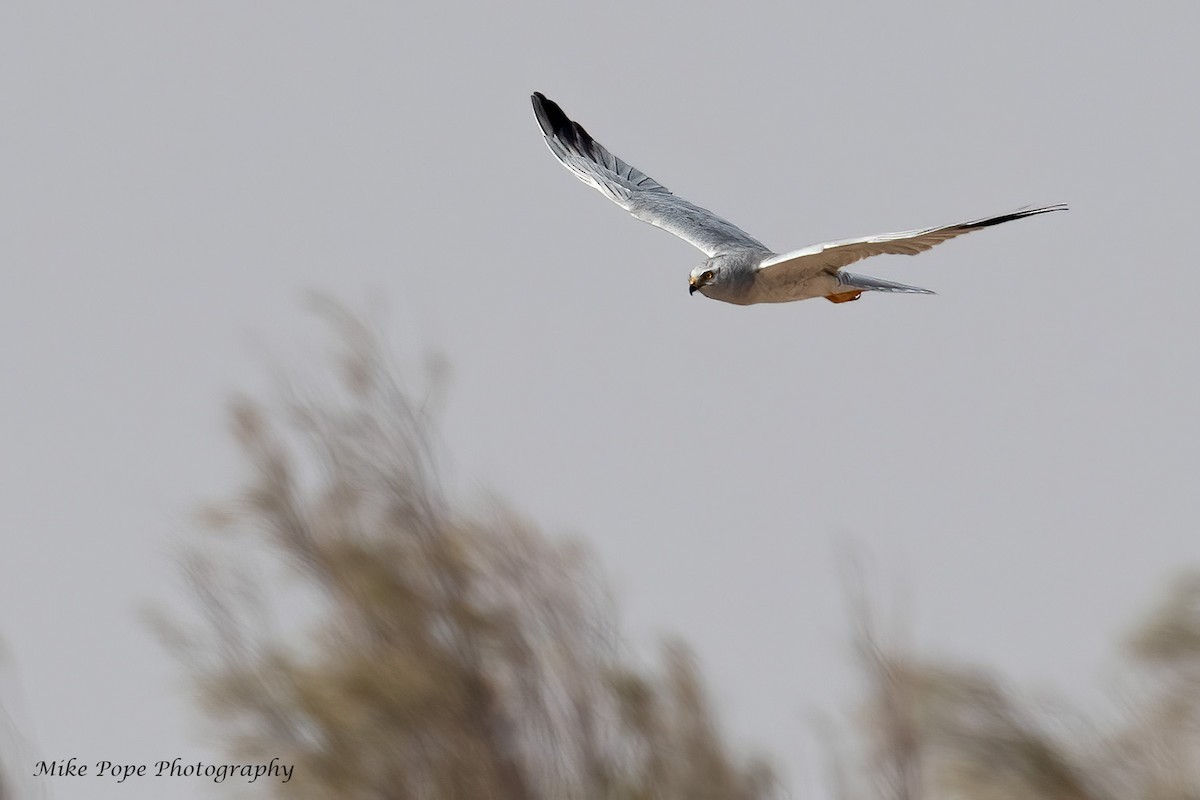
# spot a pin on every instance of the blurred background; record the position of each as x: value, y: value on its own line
x: 1013, y: 459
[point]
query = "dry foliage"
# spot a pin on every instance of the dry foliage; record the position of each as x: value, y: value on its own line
x: 353, y: 622
x: 932, y: 731
x: 441, y: 654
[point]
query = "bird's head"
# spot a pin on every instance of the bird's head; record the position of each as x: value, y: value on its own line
x: 703, y: 276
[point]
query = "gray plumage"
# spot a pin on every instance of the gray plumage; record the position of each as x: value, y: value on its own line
x: 740, y: 269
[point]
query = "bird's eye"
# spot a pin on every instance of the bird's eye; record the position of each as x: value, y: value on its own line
x: 707, y: 276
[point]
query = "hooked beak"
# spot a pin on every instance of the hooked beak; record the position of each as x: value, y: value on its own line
x: 692, y: 289
x: 692, y: 285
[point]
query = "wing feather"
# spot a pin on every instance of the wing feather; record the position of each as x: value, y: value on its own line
x: 634, y: 190
x: 832, y: 256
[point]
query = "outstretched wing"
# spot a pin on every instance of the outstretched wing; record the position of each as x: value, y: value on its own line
x: 832, y: 256
x: 634, y: 190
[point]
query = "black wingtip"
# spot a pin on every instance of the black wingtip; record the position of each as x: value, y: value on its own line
x: 1020, y: 213
x: 555, y: 122
x: 540, y: 102
x: 550, y: 116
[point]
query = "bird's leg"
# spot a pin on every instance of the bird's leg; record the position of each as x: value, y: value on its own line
x: 844, y: 297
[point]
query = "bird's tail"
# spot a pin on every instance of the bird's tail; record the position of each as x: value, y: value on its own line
x: 852, y: 281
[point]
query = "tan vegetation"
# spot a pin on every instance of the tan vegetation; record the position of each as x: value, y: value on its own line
x: 935, y: 731
x: 355, y: 621
x: 446, y: 654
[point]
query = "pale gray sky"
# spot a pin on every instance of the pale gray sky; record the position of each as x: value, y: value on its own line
x: 1020, y: 451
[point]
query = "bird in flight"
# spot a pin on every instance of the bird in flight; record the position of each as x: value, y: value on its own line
x: 740, y: 269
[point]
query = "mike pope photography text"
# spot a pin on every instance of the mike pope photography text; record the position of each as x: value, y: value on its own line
x: 175, y: 768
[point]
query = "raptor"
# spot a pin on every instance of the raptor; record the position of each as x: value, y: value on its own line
x: 739, y: 268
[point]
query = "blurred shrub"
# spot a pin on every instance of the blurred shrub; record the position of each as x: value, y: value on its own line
x: 353, y: 620
x: 356, y: 622
x: 936, y: 731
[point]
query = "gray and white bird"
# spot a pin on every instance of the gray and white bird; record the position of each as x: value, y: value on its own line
x: 740, y: 269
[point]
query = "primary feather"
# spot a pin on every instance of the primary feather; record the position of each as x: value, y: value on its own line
x: 634, y: 190
x: 835, y: 255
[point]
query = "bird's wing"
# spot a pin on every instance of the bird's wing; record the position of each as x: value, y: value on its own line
x: 632, y: 189
x: 835, y: 255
